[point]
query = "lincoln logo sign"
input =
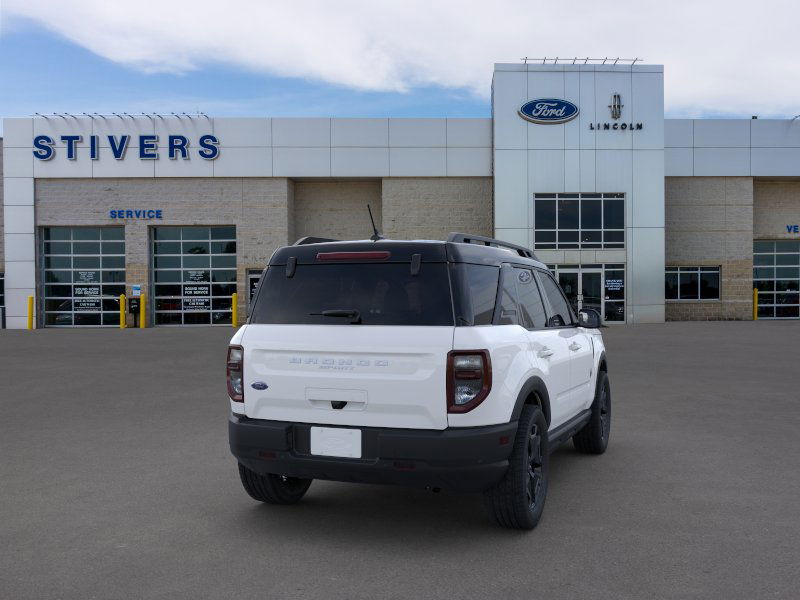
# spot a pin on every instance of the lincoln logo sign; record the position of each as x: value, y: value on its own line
x: 548, y: 111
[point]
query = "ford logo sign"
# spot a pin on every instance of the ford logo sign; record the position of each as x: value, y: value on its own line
x: 548, y: 111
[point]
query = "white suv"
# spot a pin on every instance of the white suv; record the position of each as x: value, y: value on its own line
x: 453, y: 365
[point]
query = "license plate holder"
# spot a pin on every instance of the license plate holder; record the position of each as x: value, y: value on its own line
x: 340, y: 442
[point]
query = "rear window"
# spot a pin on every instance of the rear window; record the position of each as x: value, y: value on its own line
x: 477, y: 292
x: 382, y: 294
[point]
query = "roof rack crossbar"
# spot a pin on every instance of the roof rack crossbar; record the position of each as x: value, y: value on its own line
x: 466, y: 238
x: 310, y: 239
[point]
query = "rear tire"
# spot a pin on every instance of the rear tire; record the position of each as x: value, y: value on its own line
x: 593, y: 438
x: 518, y: 500
x: 273, y: 489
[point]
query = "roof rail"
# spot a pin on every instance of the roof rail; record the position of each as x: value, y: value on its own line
x: 310, y: 239
x: 466, y: 238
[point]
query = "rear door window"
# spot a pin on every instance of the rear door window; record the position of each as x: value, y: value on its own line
x: 530, y: 300
x: 477, y: 293
x: 381, y: 294
x: 507, y: 305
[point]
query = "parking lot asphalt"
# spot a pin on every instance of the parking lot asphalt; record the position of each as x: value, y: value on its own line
x: 116, y: 482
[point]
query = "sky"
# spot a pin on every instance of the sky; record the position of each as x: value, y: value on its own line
x: 354, y: 58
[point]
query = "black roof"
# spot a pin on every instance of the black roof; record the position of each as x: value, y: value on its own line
x: 305, y: 252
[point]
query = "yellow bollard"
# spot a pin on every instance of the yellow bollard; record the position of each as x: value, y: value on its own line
x: 30, y: 312
x: 234, y: 309
x: 142, y: 311
x: 122, y: 323
x: 755, y: 304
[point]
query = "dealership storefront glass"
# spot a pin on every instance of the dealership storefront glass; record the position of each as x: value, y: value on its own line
x: 82, y: 274
x: 572, y: 221
x: 776, y: 274
x: 597, y: 286
x: 194, y: 274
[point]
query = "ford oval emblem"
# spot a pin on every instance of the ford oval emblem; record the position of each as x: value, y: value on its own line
x: 548, y: 111
x: 259, y: 385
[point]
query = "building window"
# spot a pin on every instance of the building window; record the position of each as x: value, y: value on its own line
x: 597, y: 286
x: 578, y: 221
x: 776, y: 274
x: 692, y: 283
x: 194, y: 275
x: 83, y: 275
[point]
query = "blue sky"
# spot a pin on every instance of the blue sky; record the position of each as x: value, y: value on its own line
x: 48, y: 74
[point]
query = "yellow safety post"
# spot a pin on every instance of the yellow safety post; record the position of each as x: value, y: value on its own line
x: 142, y: 311
x: 755, y: 304
x: 234, y: 309
x: 30, y: 312
x: 122, y: 323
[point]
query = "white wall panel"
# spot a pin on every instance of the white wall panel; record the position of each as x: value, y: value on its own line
x: 360, y: 162
x: 17, y: 133
x: 545, y: 171
x: 418, y: 162
x: 469, y: 133
x: 17, y: 305
x: 21, y: 272
x: 360, y: 132
x: 510, y: 93
x: 301, y: 162
x: 678, y: 162
x: 647, y: 108
x: 18, y: 191
x: 55, y: 127
x: 721, y: 161
x: 646, y: 266
x: 17, y: 162
x: 61, y: 167
x: 521, y: 237
x: 191, y: 128
x: 192, y: 167
x: 243, y: 132
x: 572, y: 92
x: 647, y: 197
x: 775, y: 161
x: 19, y: 246
x: 18, y: 219
x: 108, y: 166
x: 775, y: 133
x: 572, y: 171
x: 587, y: 171
x: 469, y: 162
x: 301, y: 133
x: 511, y: 198
x: 243, y: 162
x: 678, y: 133
x: 418, y: 133
x: 613, y: 171
x: 721, y: 133
x: 588, y: 112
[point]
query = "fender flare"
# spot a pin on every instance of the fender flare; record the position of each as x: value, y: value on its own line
x: 533, y: 385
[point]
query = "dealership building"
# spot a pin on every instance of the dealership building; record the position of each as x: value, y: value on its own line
x: 646, y: 219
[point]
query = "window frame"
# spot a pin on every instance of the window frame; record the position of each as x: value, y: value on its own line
x: 697, y: 270
x: 542, y: 299
x: 548, y: 307
x: 580, y: 199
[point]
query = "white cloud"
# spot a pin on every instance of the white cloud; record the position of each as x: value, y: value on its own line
x: 720, y: 56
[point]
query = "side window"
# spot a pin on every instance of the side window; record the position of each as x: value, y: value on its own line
x: 507, y: 302
x: 561, y: 313
x: 530, y: 301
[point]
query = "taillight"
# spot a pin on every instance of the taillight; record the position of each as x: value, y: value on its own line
x: 235, y: 373
x: 469, y: 379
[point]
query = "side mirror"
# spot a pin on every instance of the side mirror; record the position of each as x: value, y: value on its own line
x: 589, y: 318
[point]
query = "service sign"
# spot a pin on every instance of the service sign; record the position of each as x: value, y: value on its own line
x: 191, y: 304
x: 548, y: 111
x: 197, y: 290
x: 86, y: 304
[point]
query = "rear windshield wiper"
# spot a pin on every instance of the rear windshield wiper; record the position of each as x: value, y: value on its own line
x: 353, y: 315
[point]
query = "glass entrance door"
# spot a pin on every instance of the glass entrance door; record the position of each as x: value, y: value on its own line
x: 583, y: 288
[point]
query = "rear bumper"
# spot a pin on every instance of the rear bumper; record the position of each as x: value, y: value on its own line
x: 465, y: 459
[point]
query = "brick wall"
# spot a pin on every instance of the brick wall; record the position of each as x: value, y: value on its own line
x: 776, y: 204
x: 430, y: 208
x: 260, y: 209
x: 709, y: 222
x: 336, y: 209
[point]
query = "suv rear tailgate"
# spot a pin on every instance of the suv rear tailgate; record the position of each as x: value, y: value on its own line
x: 354, y: 375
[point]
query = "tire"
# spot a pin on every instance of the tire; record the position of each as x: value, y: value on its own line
x: 593, y: 438
x: 518, y: 500
x: 273, y: 489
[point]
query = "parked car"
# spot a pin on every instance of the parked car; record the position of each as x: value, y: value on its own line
x: 455, y: 365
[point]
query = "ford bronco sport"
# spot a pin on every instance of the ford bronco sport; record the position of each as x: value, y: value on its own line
x: 454, y: 365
